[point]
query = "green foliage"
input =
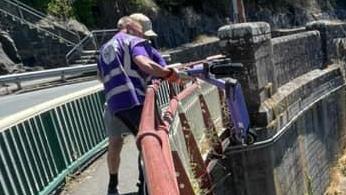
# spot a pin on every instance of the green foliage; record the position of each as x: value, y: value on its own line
x: 83, y: 11
x: 60, y: 8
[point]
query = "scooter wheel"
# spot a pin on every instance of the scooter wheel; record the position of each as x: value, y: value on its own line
x: 251, y: 137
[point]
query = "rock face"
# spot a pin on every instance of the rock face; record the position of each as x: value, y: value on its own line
x: 39, y: 40
x: 174, y: 25
x: 6, y: 64
x: 10, y: 61
x: 53, y: 23
x: 175, y: 30
x: 178, y: 22
x: 9, y: 47
x: 290, y: 13
x: 75, y: 26
x: 36, y: 47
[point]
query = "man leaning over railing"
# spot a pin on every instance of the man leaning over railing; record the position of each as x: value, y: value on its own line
x: 126, y: 63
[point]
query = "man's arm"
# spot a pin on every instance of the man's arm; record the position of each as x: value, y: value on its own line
x: 150, y: 67
x: 141, y: 58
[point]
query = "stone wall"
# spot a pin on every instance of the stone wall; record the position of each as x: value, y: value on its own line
x: 194, y: 52
x: 297, y: 162
x: 287, y: 31
x: 300, y: 118
x: 340, y: 58
x: 295, y: 55
x: 270, y: 63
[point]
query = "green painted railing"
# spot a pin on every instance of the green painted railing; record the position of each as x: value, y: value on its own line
x: 41, y: 146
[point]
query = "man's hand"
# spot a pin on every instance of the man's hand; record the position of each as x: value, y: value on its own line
x: 173, y: 76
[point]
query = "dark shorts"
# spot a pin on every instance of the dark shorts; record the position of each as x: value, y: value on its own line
x: 122, y: 123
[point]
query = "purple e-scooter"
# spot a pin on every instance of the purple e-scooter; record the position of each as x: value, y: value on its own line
x: 216, y: 72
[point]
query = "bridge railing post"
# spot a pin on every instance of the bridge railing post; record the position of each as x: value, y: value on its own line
x: 250, y: 44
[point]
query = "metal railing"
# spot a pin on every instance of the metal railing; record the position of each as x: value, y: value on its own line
x: 19, y: 3
x: 57, y: 72
x: 180, y: 137
x: 43, y: 145
x: 92, y: 42
x: 32, y: 17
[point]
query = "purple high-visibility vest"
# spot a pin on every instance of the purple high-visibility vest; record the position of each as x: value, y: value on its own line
x: 124, y: 84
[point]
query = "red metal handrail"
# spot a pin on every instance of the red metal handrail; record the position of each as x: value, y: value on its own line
x: 153, y: 140
x: 152, y: 144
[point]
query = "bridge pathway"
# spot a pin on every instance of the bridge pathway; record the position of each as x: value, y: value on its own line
x: 94, y: 180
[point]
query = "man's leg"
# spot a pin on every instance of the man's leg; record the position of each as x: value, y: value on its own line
x: 115, y: 131
x: 113, y: 159
x: 131, y: 118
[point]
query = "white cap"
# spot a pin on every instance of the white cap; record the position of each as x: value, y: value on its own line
x: 146, y: 24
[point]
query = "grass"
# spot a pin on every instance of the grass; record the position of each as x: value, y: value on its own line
x: 338, y: 177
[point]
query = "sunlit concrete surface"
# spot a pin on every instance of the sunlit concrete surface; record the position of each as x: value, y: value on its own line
x: 14, y: 103
x: 94, y: 179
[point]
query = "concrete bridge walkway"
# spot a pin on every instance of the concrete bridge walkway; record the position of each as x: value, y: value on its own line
x: 94, y: 179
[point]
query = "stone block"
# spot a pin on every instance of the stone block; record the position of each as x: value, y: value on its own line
x: 295, y: 55
x: 255, y: 32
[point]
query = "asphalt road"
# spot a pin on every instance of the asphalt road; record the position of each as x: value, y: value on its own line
x: 14, y: 103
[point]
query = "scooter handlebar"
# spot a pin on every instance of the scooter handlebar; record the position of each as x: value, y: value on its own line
x: 226, y: 69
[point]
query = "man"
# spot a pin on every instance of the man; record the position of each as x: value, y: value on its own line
x: 125, y: 64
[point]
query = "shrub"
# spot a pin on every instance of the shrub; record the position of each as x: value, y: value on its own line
x: 60, y: 8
